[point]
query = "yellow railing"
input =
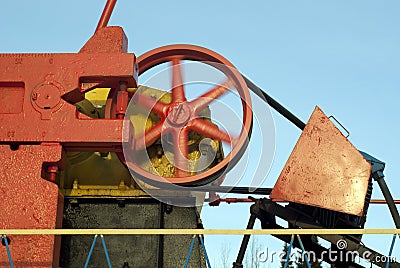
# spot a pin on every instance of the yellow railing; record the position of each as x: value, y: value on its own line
x: 195, y: 231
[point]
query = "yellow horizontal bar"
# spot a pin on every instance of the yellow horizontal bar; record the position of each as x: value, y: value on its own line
x: 194, y: 231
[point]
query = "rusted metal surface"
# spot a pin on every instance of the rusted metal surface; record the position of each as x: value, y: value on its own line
x: 30, y: 202
x: 324, y: 170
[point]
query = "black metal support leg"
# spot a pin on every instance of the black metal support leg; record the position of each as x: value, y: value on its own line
x: 389, y: 200
x: 246, y: 238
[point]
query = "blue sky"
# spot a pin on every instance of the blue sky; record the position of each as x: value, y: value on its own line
x: 341, y: 55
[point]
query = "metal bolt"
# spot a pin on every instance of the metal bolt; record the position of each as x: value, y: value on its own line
x: 52, y: 170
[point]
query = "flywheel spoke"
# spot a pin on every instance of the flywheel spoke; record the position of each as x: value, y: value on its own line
x: 210, y: 130
x: 178, y: 91
x: 181, y: 152
x: 208, y: 97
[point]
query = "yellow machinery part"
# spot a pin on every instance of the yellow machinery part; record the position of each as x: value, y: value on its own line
x: 103, y: 175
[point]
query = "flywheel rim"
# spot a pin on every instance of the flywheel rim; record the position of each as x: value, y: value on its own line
x: 181, y: 52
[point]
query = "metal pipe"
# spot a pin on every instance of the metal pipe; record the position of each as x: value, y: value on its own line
x: 246, y: 238
x: 274, y: 104
x: 231, y: 200
x: 230, y: 189
x: 383, y: 202
x: 221, y: 189
x: 105, y: 16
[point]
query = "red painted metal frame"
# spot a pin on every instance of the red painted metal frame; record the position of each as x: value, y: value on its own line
x: 38, y: 121
x: 30, y: 202
x: 51, y: 83
x: 181, y: 115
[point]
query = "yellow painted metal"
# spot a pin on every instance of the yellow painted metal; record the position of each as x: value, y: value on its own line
x: 104, y: 191
x: 88, y: 174
x: 96, y: 175
x: 198, y: 231
x: 103, y: 175
x: 98, y: 96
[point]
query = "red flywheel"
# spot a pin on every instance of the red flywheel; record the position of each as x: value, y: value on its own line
x: 181, y: 115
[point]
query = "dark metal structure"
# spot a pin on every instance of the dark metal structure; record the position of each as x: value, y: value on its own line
x: 303, y: 185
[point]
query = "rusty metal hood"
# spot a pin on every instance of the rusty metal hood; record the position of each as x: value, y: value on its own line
x: 324, y: 170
